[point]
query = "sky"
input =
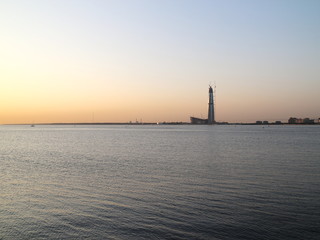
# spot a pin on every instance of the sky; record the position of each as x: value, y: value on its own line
x: 120, y: 61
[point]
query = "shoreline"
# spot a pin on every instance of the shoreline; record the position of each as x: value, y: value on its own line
x: 162, y: 123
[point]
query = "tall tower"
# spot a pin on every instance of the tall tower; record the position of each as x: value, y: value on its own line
x: 211, y: 107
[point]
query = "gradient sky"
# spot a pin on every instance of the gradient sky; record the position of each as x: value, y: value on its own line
x: 118, y: 61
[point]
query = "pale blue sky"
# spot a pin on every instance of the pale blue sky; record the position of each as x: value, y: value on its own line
x: 122, y: 60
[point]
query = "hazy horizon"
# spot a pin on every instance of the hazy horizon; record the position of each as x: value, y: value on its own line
x: 118, y: 61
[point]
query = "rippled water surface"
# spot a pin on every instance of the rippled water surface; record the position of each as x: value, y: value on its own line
x: 159, y: 182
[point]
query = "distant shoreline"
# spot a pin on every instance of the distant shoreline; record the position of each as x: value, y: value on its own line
x: 162, y: 123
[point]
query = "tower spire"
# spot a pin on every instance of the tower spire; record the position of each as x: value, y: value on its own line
x: 211, y: 119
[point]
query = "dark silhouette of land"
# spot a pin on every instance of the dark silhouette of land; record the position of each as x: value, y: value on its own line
x: 263, y: 123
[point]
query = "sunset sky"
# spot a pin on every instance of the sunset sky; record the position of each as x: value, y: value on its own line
x: 118, y: 61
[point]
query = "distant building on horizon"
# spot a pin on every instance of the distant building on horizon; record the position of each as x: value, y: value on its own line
x: 211, y: 116
x: 195, y: 120
x: 294, y: 120
x: 211, y: 119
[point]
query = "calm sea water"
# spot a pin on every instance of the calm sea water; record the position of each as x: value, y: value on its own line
x: 160, y: 182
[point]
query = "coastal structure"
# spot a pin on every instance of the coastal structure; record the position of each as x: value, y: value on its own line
x: 211, y: 116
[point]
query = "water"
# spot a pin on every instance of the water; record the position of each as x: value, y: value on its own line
x: 159, y: 182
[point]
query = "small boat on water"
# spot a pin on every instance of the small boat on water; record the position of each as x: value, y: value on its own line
x: 32, y: 125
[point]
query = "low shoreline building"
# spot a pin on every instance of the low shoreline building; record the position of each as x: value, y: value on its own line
x: 195, y: 120
x: 294, y: 120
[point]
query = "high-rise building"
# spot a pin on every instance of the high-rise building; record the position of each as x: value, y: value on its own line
x: 211, y: 119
